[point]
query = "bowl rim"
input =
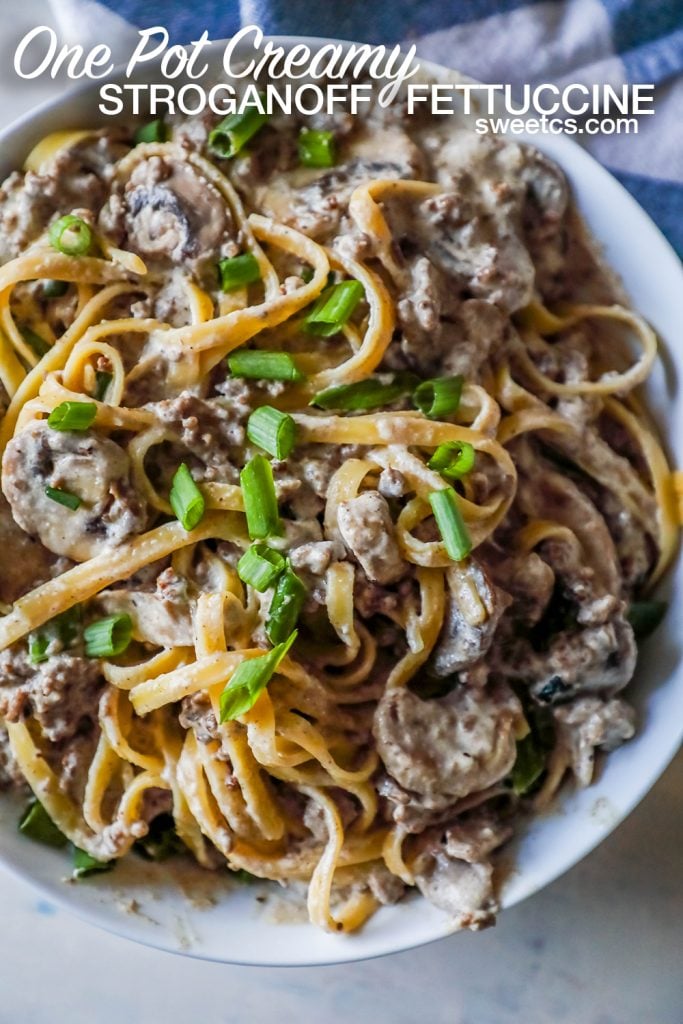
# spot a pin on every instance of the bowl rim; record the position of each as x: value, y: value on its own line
x: 15, y: 138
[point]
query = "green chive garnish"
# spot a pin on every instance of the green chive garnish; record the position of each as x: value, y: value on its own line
x: 72, y: 416
x: 187, y: 501
x: 105, y: 638
x: 440, y: 397
x: 333, y: 309
x: 85, y: 864
x: 316, y: 149
x: 63, y: 629
x: 37, y: 648
x: 238, y: 271
x: 371, y: 393
x: 451, y: 524
x: 54, y: 289
x: 272, y: 430
x: 102, y: 382
x: 34, y: 341
x: 162, y: 841
x: 645, y: 616
x: 285, y: 608
x: 35, y: 823
x: 260, y: 566
x: 453, y: 459
x: 249, y: 679
x: 260, y: 500
x: 154, y: 131
x: 529, y: 764
x: 255, y: 364
x: 71, y: 236
x: 65, y: 498
x: 234, y: 131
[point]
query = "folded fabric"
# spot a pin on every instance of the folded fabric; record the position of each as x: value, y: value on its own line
x: 493, y: 40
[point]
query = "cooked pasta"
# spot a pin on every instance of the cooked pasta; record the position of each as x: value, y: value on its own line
x: 330, y: 502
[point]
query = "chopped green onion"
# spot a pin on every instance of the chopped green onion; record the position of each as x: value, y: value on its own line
x: 66, y: 626
x: 272, y: 430
x: 162, y: 840
x: 38, y: 644
x: 102, y: 382
x: 316, y: 149
x: 529, y: 764
x: 187, y: 501
x: 440, y: 397
x: 645, y: 616
x: 365, y: 394
x: 63, y: 630
x: 451, y: 524
x: 106, y: 638
x: 238, y: 271
x: 234, y: 131
x: 72, y: 416
x: 285, y: 608
x: 260, y: 566
x: 333, y: 308
x: 244, y: 877
x: 249, y: 680
x: 307, y: 275
x: 65, y: 498
x: 260, y: 500
x: 255, y: 364
x: 55, y: 289
x: 154, y: 131
x: 453, y: 459
x: 36, y: 824
x: 85, y: 864
x: 38, y: 344
x: 71, y: 236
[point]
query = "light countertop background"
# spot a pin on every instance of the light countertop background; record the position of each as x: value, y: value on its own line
x: 603, y: 945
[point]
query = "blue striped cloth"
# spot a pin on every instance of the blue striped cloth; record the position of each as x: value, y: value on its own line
x: 514, y: 41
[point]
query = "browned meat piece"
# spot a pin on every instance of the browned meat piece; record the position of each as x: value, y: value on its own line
x: 367, y: 529
x: 446, y: 748
x: 579, y: 583
x: 212, y: 432
x: 77, y: 176
x: 544, y: 218
x: 461, y: 643
x: 10, y: 772
x: 24, y: 562
x: 196, y: 713
x: 543, y: 493
x: 392, y: 483
x: 589, y: 723
x: 314, y: 557
x: 597, y: 659
x: 90, y: 466
x: 475, y: 836
x: 169, y: 212
x: 59, y: 693
x: 464, y: 891
x: 385, y: 887
x: 528, y: 579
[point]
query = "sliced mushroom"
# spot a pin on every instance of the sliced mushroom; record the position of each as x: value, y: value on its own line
x: 367, y: 529
x: 447, y: 748
x: 93, y: 468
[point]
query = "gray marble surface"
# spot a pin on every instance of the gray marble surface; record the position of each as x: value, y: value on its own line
x: 600, y: 946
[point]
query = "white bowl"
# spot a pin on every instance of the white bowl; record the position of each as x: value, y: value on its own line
x: 210, y: 917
